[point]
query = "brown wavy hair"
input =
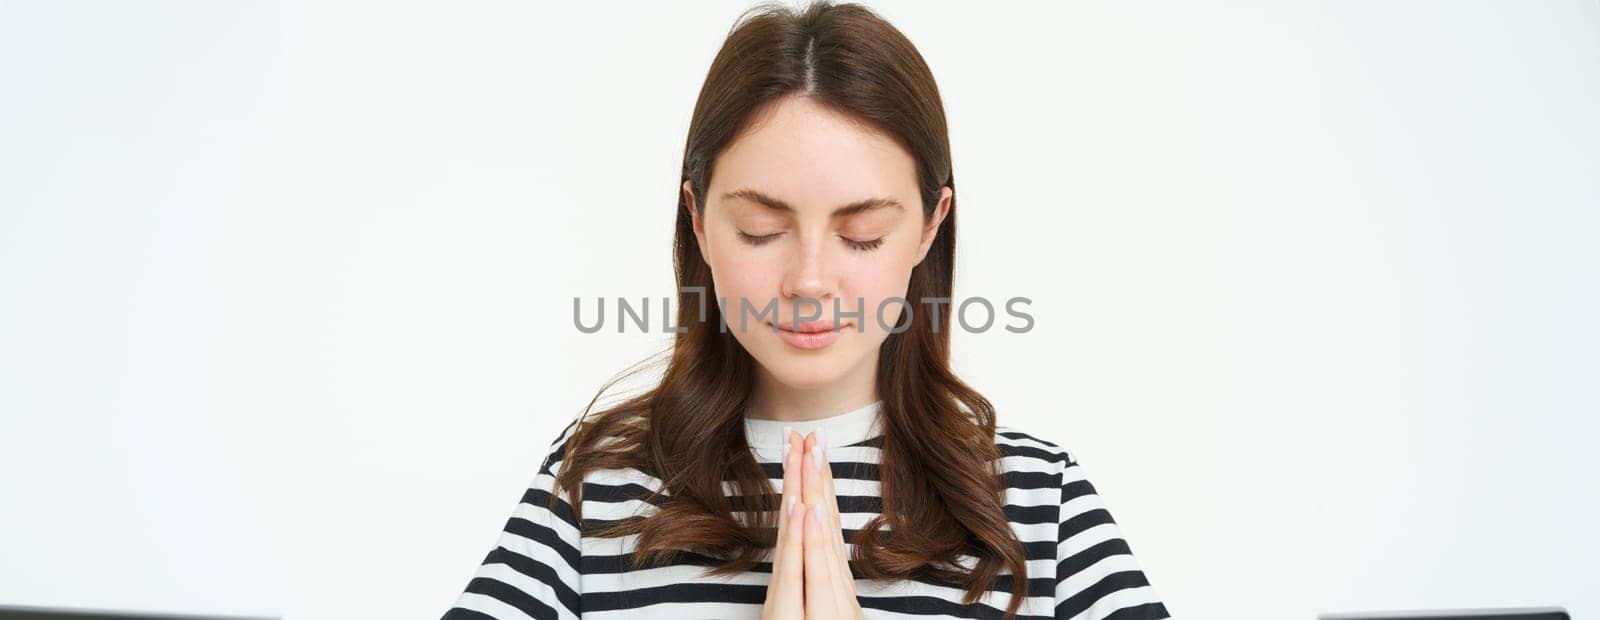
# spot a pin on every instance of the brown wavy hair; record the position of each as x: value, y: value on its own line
x: 942, y: 493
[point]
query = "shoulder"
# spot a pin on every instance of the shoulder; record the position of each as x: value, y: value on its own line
x: 1096, y: 574
x: 594, y: 449
x: 556, y: 452
x: 1022, y: 450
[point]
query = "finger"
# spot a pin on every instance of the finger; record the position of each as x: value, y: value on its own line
x: 786, y: 589
x: 781, y: 513
x: 839, y: 576
x: 824, y: 482
x: 786, y: 554
x: 788, y: 572
x: 816, y: 462
x: 829, y: 540
x: 791, y: 477
x: 836, y: 534
x: 820, y: 595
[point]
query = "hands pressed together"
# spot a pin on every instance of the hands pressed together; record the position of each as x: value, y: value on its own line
x: 810, y: 568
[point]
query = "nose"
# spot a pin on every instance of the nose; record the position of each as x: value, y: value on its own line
x: 808, y: 274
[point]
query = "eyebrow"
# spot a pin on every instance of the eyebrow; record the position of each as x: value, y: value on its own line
x: 853, y: 208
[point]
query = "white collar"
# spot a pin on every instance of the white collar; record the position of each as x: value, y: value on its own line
x: 842, y: 429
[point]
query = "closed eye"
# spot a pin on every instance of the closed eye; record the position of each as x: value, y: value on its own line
x: 757, y: 239
x: 870, y: 244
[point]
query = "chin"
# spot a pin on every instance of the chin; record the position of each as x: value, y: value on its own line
x: 811, y: 373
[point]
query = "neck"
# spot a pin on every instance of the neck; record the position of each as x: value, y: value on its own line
x: 773, y: 400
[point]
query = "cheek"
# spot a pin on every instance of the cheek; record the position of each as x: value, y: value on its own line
x: 875, y: 285
x: 737, y: 272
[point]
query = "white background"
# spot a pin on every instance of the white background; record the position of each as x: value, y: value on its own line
x: 285, y: 289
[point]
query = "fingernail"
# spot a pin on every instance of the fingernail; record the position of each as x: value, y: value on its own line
x: 816, y: 456
x: 792, y: 502
x: 783, y: 449
x: 818, y: 514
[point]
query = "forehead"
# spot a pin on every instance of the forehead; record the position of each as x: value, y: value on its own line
x: 814, y: 159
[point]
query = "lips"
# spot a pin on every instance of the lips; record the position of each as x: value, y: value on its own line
x: 810, y: 335
x: 810, y: 327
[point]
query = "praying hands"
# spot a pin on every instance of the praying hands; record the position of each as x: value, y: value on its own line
x: 810, y: 569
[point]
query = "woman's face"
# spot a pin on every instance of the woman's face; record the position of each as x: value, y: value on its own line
x: 807, y: 204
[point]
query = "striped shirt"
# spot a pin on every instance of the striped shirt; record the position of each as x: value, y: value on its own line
x: 546, y: 566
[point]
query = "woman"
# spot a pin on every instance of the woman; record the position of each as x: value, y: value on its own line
x: 808, y: 452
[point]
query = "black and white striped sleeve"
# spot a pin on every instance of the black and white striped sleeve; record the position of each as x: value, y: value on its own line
x: 532, y: 572
x: 1097, y: 577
